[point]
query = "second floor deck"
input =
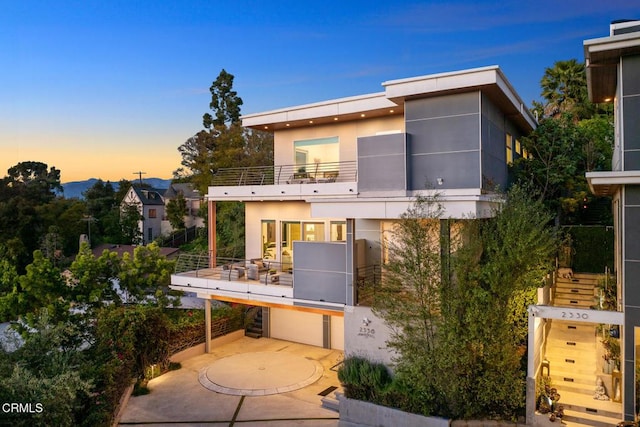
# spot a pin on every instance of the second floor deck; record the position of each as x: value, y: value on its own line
x: 285, y: 181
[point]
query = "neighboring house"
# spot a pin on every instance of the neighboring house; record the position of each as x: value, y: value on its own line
x: 193, y: 200
x: 344, y: 171
x: 613, y: 75
x: 151, y: 203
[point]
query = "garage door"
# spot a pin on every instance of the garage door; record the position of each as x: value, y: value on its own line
x: 297, y: 326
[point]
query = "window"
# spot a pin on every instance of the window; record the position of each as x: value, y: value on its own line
x: 152, y: 213
x: 290, y: 232
x: 149, y: 234
x: 268, y: 231
x: 338, y: 231
x: 313, y: 232
x: 509, y: 142
x: 518, y: 147
x: 309, y: 152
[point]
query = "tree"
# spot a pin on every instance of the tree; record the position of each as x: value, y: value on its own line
x: 130, y: 217
x: 461, y: 322
x: 44, y: 372
x: 564, y: 88
x: 94, y: 278
x: 553, y: 167
x: 224, y: 143
x: 28, y: 187
x: 43, y: 287
x: 225, y: 102
x: 176, y: 210
x: 146, y: 273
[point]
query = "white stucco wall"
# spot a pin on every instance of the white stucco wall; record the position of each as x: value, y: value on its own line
x: 366, y: 335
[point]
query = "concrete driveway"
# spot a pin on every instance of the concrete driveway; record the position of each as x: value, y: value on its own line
x: 248, y: 382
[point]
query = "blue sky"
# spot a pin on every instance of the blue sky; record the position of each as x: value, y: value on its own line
x: 106, y: 88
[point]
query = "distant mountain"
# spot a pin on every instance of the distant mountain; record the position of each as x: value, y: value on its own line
x: 74, y: 190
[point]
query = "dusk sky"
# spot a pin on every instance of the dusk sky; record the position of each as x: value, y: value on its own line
x: 104, y: 88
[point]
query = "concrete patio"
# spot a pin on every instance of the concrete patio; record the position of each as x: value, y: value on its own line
x: 253, y: 388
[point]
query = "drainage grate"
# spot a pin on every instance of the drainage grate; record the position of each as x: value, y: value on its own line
x: 569, y: 360
x: 327, y: 391
x: 571, y: 343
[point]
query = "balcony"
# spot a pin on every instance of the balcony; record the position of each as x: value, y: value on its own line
x: 319, y: 277
x: 285, y: 182
x: 310, y: 173
x: 233, y: 279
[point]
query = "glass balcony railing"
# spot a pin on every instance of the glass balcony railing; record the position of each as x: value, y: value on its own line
x: 310, y: 173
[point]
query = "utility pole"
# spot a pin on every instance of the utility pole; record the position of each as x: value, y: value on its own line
x: 88, y: 219
x: 140, y: 173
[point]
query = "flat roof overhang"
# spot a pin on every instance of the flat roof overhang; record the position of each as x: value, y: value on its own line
x: 325, y: 112
x: 608, y: 183
x: 490, y: 80
x: 602, y: 56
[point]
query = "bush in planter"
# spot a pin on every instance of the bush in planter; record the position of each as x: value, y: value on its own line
x: 364, y: 380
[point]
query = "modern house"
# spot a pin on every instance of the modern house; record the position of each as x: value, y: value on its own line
x: 152, y: 203
x: 613, y: 75
x: 344, y: 171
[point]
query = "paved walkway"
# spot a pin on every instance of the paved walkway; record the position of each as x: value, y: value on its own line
x: 259, y: 382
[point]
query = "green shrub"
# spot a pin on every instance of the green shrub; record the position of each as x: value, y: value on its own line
x: 364, y: 380
x: 592, y: 248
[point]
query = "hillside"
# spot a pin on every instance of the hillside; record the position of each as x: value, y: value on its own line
x: 74, y: 189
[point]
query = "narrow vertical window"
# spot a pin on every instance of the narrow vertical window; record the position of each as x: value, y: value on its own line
x: 509, y: 142
x: 268, y: 231
x: 338, y: 231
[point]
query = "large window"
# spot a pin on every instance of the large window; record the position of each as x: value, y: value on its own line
x: 314, y: 151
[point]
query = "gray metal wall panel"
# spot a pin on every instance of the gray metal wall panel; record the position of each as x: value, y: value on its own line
x: 631, y: 107
x: 632, y: 233
x: 454, y: 133
x: 458, y: 170
x: 444, y: 135
x: 630, y: 73
x: 631, y: 261
x: 632, y: 160
x: 632, y: 196
x: 382, y: 153
x: 632, y: 269
x: 494, y: 172
x: 439, y: 106
x: 381, y: 145
x: 320, y: 272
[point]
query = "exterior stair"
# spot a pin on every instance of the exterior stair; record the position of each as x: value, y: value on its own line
x: 577, y: 292
x: 254, y: 330
x: 573, y: 351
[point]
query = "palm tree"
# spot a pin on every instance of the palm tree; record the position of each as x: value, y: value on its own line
x: 564, y: 89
